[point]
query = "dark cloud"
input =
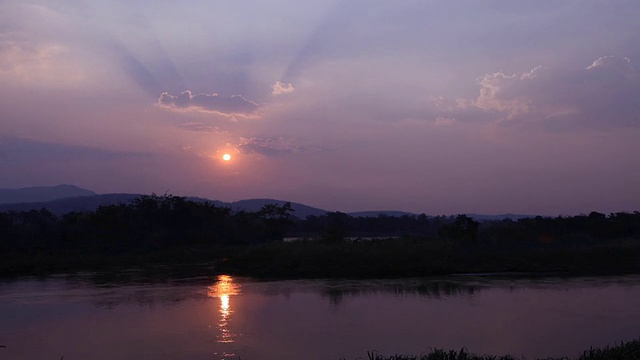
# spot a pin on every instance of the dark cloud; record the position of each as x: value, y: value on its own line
x: 232, y: 105
x: 605, y: 93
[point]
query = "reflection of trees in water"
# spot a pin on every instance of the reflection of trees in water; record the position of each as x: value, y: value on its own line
x: 427, y: 289
x: 149, y: 289
x: 143, y: 288
x: 141, y: 291
x: 146, y: 295
x: 140, y: 298
x: 167, y: 287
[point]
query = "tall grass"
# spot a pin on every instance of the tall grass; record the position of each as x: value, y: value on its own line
x: 439, y: 354
x: 624, y: 351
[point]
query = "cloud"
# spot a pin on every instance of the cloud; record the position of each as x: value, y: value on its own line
x: 495, y: 94
x: 269, y: 146
x: 616, y: 65
x: 602, y: 94
x: 280, y: 88
x: 200, y: 127
x: 444, y: 121
x: 232, y: 105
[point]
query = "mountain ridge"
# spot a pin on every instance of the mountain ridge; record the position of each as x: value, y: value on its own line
x: 90, y: 201
x: 42, y: 193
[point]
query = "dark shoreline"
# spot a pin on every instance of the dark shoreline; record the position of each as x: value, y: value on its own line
x: 392, y: 258
x: 154, y: 230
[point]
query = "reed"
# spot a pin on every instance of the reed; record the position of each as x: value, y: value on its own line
x: 623, y: 351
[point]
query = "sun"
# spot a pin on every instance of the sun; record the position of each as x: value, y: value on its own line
x: 226, y: 157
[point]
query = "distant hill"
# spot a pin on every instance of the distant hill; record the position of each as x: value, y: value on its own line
x: 86, y: 203
x: 41, y: 194
x: 383, y: 213
x: 300, y: 210
x: 499, y: 217
x: 477, y: 217
x: 64, y: 199
x: 72, y: 204
x: 91, y: 203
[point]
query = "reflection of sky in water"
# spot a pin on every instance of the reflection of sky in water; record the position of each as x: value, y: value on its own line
x: 231, y: 318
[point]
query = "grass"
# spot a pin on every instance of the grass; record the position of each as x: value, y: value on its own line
x: 624, y: 351
x: 439, y: 354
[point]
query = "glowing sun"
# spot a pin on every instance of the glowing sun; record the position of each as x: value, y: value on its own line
x: 226, y: 157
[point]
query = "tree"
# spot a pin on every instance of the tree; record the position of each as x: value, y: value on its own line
x: 463, y: 228
x: 336, y: 228
x: 275, y: 219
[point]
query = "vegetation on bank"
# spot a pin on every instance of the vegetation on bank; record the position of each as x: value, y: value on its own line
x: 172, y: 230
x: 623, y: 351
x: 416, y: 257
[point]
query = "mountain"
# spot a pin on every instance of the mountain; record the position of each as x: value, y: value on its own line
x: 41, y: 194
x: 64, y: 199
x: 91, y: 203
x: 499, y: 217
x: 301, y: 211
x: 72, y: 204
x: 383, y: 213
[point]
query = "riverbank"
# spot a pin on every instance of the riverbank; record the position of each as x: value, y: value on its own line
x: 412, y: 257
x: 623, y: 351
x: 166, y: 230
x: 389, y: 258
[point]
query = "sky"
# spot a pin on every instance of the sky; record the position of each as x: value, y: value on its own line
x: 428, y: 106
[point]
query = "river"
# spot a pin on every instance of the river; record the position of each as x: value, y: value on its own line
x: 136, y: 316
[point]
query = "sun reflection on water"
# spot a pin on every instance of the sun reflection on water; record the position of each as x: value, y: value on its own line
x: 223, y: 289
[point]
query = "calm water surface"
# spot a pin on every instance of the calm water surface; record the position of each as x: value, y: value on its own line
x: 90, y: 317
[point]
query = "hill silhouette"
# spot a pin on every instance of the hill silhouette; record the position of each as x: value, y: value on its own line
x: 42, y: 194
x: 63, y: 199
x: 72, y: 204
x: 300, y: 210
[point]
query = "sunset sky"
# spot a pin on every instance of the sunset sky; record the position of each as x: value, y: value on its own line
x: 440, y: 107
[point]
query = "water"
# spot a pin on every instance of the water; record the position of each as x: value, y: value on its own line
x: 90, y: 317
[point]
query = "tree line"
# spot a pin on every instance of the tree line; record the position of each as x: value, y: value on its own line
x: 152, y: 222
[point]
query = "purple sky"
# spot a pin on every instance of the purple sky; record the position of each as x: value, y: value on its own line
x: 439, y: 107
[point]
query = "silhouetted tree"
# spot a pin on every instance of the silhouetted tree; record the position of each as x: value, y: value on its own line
x: 336, y: 227
x: 463, y: 228
x: 276, y: 219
